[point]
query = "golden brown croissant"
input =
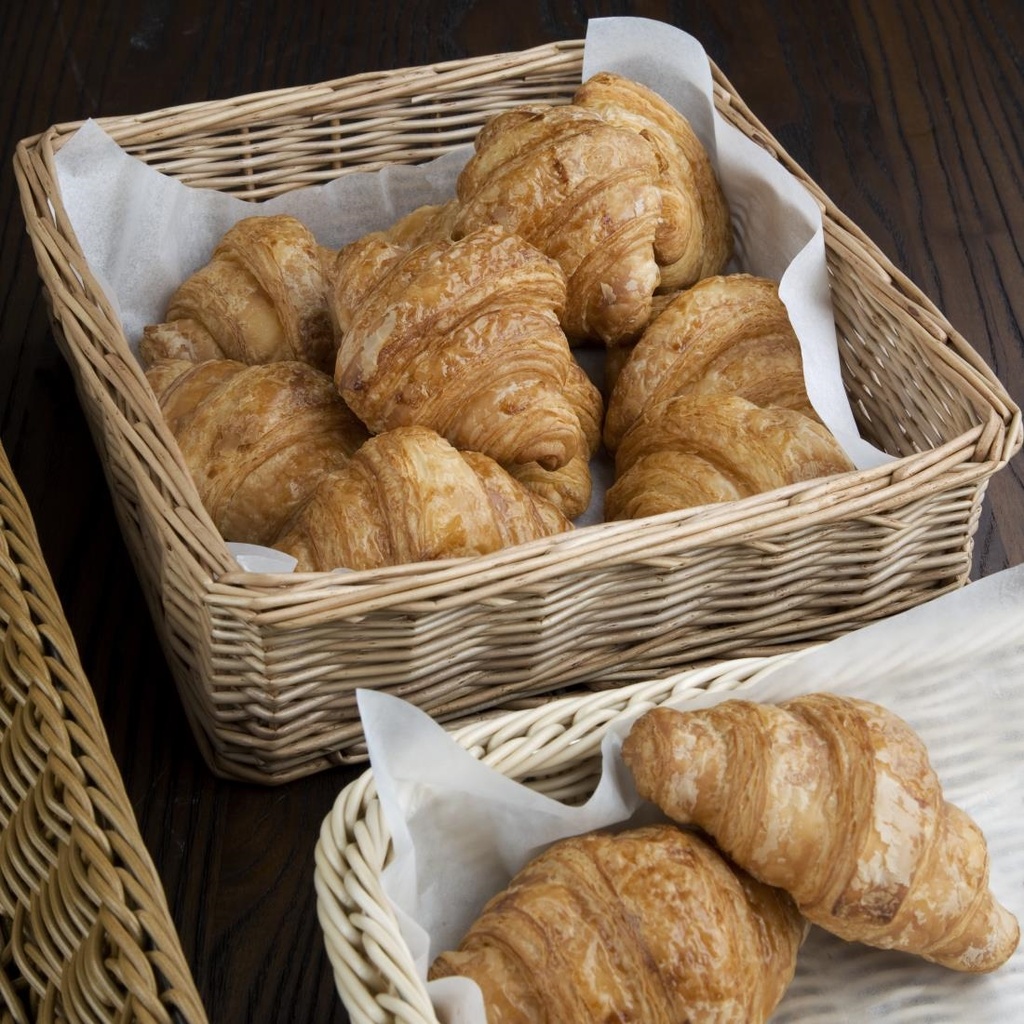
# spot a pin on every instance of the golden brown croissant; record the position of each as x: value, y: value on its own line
x: 586, y: 399
x: 354, y: 269
x: 408, y: 496
x: 462, y: 337
x: 698, y: 449
x: 618, y: 355
x: 261, y: 298
x: 694, y: 239
x: 353, y: 273
x: 726, y: 333
x: 834, y: 800
x: 648, y: 925
x: 583, y: 191
x: 430, y: 223
x: 256, y: 439
x: 184, y: 339
x: 570, y: 487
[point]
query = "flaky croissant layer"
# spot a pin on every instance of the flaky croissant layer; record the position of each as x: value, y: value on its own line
x: 256, y: 439
x: 698, y: 449
x: 461, y: 337
x: 408, y: 496
x: 728, y: 334
x: 834, y: 800
x: 261, y: 298
x: 649, y: 925
x: 615, y: 186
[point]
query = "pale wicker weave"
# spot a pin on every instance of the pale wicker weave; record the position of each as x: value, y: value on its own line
x: 85, y: 931
x: 267, y: 665
x: 554, y: 748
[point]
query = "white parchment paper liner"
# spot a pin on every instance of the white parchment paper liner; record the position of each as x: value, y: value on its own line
x: 953, y: 668
x: 143, y: 233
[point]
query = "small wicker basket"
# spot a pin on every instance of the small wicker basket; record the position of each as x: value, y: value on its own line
x: 85, y: 931
x: 267, y: 664
x: 554, y: 748
x: 442, y: 873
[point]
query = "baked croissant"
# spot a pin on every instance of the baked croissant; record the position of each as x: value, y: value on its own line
x: 834, y: 800
x: 694, y: 239
x: 647, y: 925
x: 408, y: 496
x: 429, y: 223
x: 256, y: 439
x: 583, y: 191
x: 354, y: 271
x: 462, y: 337
x: 570, y: 487
x: 261, y: 298
x: 699, y: 449
x: 728, y: 333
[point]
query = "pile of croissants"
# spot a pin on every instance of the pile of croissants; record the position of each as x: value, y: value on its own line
x: 417, y: 394
x: 823, y: 809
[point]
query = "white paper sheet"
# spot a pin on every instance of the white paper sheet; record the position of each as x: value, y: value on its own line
x: 953, y: 668
x: 143, y: 233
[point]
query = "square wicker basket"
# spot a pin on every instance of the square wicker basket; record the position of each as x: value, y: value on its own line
x: 267, y: 664
x: 85, y: 931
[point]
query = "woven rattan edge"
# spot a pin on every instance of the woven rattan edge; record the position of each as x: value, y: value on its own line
x: 40, y: 669
x: 311, y: 598
x: 554, y: 748
x: 415, y: 81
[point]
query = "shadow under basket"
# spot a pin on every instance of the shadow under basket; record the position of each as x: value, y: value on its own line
x: 267, y: 665
x: 85, y: 930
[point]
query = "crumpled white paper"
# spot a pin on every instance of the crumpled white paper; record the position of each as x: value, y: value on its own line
x: 953, y: 668
x: 143, y: 233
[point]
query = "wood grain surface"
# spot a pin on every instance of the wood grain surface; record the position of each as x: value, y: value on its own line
x: 909, y: 114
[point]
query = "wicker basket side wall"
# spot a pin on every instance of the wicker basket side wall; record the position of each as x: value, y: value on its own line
x: 163, y: 525
x: 84, y: 926
x: 587, y: 629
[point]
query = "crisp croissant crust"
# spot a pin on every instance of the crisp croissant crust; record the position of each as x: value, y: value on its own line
x: 694, y: 238
x: 586, y: 193
x: 647, y: 925
x: 408, y: 496
x: 571, y: 486
x: 834, y: 800
x: 429, y: 223
x: 256, y: 439
x: 261, y: 298
x: 728, y: 333
x: 462, y: 337
x: 698, y: 449
x: 615, y: 186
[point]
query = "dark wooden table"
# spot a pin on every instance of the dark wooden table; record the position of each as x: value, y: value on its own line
x: 909, y: 114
